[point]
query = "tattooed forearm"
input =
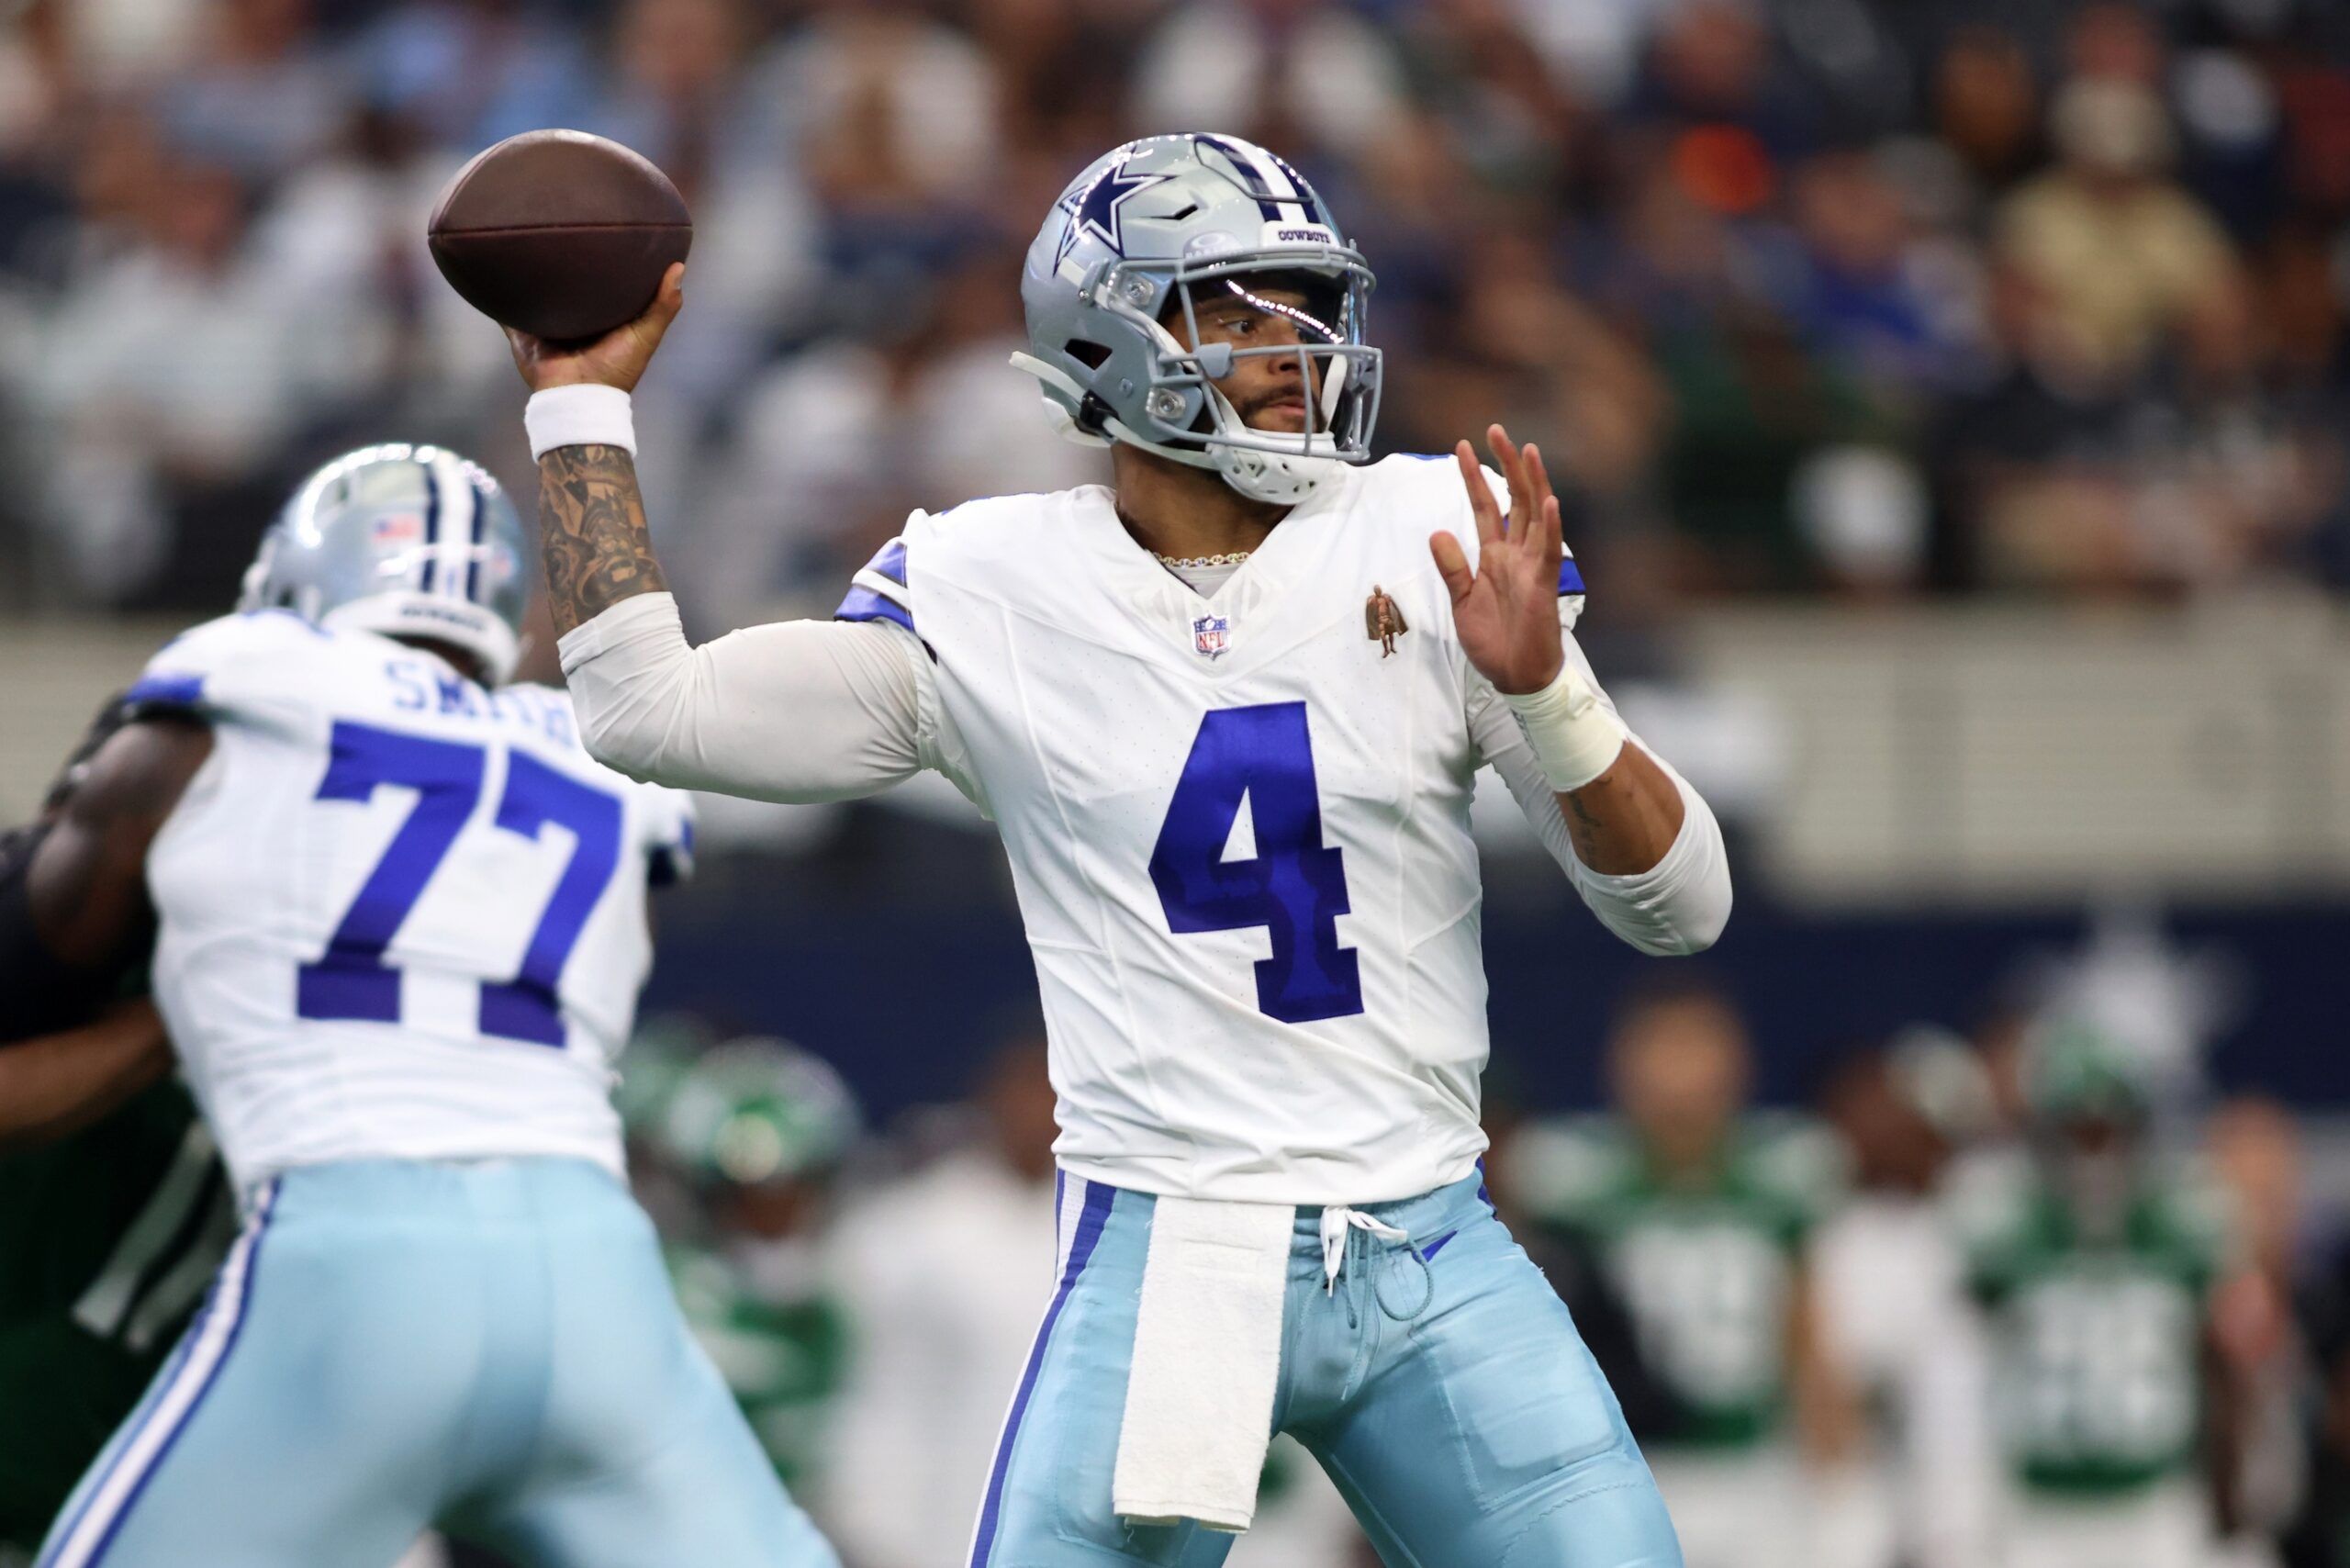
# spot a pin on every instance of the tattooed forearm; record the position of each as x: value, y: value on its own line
x: 1624, y: 821
x: 1582, y: 827
x: 592, y: 532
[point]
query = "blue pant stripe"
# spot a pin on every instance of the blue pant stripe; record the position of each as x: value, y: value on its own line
x: 1090, y: 1221
x: 210, y: 1339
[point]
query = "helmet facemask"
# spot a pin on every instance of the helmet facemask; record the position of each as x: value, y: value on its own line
x: 1190, y: 418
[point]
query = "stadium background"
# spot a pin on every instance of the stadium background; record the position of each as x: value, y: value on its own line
x: 1951, y: 396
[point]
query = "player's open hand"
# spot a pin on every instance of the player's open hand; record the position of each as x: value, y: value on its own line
x: 1506, y: 609
x: 616, y: 359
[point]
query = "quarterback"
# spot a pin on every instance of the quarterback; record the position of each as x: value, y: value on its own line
x: 1226, y: 714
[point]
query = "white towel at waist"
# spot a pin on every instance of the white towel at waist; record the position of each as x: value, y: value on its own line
x: 1206, y: 1363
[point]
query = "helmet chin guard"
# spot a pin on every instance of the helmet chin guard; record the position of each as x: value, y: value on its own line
x: 1158, y: 227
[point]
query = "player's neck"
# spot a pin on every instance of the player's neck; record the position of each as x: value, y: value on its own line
x: 456, y: 658
x: 1175, y: 510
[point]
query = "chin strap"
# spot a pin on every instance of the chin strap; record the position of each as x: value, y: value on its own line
x: 1061, y: 381
x: 1245, y: 469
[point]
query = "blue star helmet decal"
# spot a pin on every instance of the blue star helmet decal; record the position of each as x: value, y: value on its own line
x: 1095, y: 207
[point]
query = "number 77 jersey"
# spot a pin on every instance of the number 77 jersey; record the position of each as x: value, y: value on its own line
x: 401, y: 917
x: 1238, y: 826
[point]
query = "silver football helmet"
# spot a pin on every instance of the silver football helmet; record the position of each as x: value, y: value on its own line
x: 1151, y: 229
x: 407, y: 541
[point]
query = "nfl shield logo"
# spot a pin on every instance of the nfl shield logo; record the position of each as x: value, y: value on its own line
x: 1211, y: 636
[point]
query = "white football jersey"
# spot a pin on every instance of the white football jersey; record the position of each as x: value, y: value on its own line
x: 1238, y: 826
x: 401, y: 917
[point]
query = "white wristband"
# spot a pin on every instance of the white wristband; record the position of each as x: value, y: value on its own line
x: 583, y: 414
x: 1575, y: 735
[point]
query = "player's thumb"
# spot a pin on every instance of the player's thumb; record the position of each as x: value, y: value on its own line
x: 1452, y: 563
x: 667, y: 301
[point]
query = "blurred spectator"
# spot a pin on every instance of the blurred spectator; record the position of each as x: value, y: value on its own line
x: 892, y: 116
x: 2122, y: 254
x: 1786, y: 326
x: 1893, y: 1309
x: 2258, y: 1330
x: 942, y: 1274
x: 1304, y: 79
x: 841, y: 442
x: 475, y: 72
x: 171, y: 378
x: 1864, y: 296
x: 1986, y: 103
x: 1701, y: 1211
x: 1711, y: 67
x: 260, y: 96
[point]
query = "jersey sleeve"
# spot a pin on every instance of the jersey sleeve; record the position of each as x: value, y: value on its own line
x: 1680, y: 904
x: 259, y: 667
x: 881, y: 591
x: 796, y: 710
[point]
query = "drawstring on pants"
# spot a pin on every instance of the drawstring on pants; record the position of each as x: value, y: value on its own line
x: 1341, y: 1253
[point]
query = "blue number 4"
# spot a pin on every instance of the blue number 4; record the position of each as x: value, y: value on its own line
x: 1295, y: 886
x: 351, y: 979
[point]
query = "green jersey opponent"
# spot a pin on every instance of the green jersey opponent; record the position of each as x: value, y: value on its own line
x: 1697, y: 1211
x: 2095, y: 1261
x: 109, y: 1231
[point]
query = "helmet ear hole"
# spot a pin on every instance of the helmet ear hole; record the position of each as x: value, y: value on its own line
x: 1093, y: 356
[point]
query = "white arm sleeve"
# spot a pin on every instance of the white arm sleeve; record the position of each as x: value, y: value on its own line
x: 1680, y: 904
x: 799, y: 710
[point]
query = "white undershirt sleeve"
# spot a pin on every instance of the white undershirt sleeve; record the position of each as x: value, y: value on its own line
x: 799, y: 710
x: 1680, y: 904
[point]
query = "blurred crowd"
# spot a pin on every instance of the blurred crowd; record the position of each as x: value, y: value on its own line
x: 2022, y: 1299
x: 1857, y: 297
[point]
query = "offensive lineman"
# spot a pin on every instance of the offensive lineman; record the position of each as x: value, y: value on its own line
x: 1227, y: 716
x: 399, y: 924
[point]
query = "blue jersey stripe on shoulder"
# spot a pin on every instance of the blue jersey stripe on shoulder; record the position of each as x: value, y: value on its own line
x: 864, y: 604
x: 166, y: 692
x: 1570, y: 576
x: 890, y: 562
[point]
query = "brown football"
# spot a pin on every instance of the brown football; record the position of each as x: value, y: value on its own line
x: 562, y: 234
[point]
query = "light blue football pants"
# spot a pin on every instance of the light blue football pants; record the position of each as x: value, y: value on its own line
x: 1442, y: 1385
x: 491, y: 1347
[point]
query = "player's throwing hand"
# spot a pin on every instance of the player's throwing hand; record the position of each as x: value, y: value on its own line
x: 1506, y: 609
x: 616, y: 359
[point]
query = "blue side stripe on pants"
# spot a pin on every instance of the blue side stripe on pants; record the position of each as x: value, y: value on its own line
x: 221, y: 1321
x: 1090, y: 1221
